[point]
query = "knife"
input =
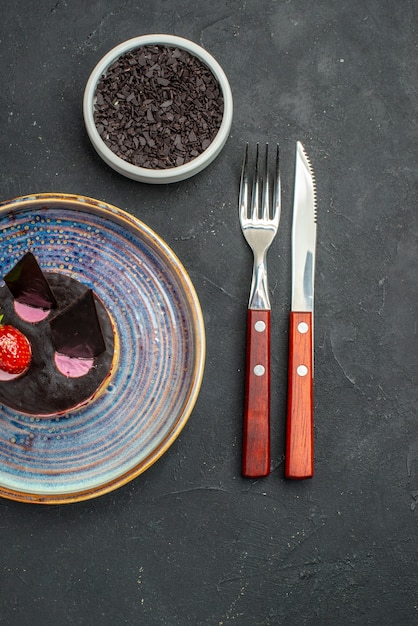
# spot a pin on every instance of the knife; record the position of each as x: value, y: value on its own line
x: 299, y: 459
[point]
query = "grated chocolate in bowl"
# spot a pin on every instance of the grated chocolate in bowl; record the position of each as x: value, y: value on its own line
x: 158, y: 107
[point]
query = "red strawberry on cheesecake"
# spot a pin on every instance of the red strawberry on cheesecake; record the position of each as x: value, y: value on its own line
x: 15, y: 352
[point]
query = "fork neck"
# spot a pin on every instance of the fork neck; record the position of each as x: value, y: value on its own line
x: 259, y: 294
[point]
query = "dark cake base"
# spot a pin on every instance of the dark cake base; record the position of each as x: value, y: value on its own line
x: 43, y: 391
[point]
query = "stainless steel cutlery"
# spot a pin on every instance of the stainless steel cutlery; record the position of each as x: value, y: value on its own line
x: 259, y: 212
x: 299, y: 458
x: 259, y: 208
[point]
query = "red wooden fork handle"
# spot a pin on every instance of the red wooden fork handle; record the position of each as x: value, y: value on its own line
x: 299, y: 461
x: 256, y: 441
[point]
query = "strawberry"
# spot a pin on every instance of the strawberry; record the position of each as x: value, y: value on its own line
x: 15, y: 349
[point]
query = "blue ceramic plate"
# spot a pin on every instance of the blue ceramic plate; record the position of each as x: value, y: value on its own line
x: 161, y: 351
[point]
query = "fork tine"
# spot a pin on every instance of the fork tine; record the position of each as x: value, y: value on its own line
x: 266, y: 187
x: 255, y: 202
x: 277, y: 188
x: 243, y: 194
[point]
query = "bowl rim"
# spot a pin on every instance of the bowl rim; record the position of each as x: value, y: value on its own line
x: 166, y: 175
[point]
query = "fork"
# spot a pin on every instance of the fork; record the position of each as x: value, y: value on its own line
x: 259, y: 211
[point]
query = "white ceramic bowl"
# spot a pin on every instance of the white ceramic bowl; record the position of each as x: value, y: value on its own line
x: 167, y: 175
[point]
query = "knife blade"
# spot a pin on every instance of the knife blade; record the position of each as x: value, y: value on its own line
x: 299, y: 459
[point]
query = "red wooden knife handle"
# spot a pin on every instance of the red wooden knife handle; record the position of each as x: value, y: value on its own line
x: 299, y: 460
x: 256, y: 441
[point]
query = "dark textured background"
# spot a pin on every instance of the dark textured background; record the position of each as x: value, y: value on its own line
x: 190, y: 542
